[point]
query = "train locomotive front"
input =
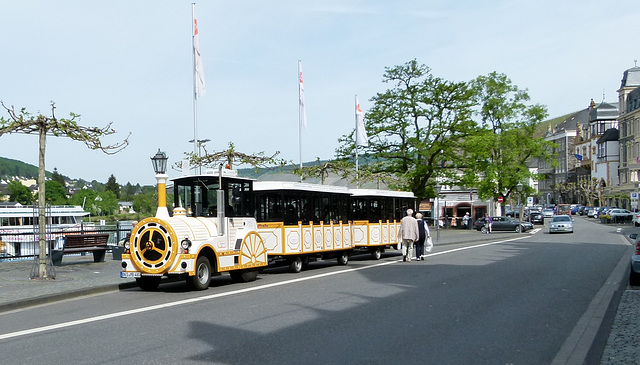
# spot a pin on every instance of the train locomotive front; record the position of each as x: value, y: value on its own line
x: 196, y: 247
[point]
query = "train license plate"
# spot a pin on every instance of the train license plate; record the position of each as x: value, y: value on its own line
x: 129, y: 274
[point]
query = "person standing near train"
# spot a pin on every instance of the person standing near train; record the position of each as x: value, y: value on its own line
x: 408, y: 233
x: 423, y: 234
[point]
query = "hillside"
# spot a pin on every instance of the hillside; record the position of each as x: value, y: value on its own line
x: 14, y: 168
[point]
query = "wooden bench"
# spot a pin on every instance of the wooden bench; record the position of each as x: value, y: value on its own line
x: 90, y: 242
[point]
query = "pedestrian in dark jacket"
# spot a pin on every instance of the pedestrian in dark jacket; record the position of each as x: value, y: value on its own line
x: 423, y: 234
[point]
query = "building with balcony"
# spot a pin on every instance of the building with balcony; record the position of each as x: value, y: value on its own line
x: 629, y: 121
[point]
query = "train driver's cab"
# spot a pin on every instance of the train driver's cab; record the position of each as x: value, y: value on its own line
x: 198, y: 195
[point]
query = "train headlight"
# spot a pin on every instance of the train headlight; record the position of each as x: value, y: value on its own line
x: 127, y: 245
x: 186, y: 244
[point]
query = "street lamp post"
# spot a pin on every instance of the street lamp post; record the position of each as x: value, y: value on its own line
x: 437, y: 188
x: 159, y: 161
x: 519, y: 187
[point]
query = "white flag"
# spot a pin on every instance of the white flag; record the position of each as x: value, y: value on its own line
x: 197, y: 63
x: 303, y: 112
x: 361, y: 133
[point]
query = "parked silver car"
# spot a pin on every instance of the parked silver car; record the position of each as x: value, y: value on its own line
x: 620, y: 215
x: 561, y: 223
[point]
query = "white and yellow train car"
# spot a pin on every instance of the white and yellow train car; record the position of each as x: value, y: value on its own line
x: 376, y: 218
x: 300, y: 221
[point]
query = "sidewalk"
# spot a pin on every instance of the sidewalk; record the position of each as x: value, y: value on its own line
x: 79, y: 276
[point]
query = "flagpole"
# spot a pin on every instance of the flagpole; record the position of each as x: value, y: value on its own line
x: 360, y: 135
x: 301, y: 109
x: 195, y: 92
x: 355, y: 136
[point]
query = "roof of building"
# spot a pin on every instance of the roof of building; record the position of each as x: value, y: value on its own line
x: 571, y: 122
x: 631, y: 77
x: 604, y: 111
x: 10, y: 204
x: 611, y: 134
x: 633, y: 100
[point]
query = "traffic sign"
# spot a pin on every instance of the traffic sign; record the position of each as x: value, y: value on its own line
x: 500, y: 200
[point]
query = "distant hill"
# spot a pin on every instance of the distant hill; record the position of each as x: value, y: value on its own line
x: 13, y: 168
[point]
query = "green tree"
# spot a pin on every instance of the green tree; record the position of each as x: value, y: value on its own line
x: 229, y: 157
x: 19, y: 193
x: 497, y: 153
x: 24, y: 122
x: 106, y: 203
x: 113, y: 186
x: 129, y: 191
x: 55, y: 193
x: 84, y: 198
x: 55, y: 176
x: 416, y: 128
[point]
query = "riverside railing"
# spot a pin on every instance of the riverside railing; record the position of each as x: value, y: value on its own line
x: 21, y: 244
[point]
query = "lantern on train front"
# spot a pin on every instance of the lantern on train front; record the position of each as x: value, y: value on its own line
x: 160, y: 167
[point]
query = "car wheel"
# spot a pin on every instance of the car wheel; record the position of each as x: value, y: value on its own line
x: 376, y: 253
x: 634, y: 278
x: 148, y: 283
x: 243, y: 276
x: 200, y: 281
x: 343, y: 258
x: 636, y: 224
x: 295, y: 265
x: 518, y: 228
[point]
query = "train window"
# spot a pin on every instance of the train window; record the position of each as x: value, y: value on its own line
x: 358, y: 209
x: 307, y: 211
x: 375, y: 210
x: 269, y: 207
x: 342, y: 208
x: 291, y: 209
x: 210, y: 201
x: 183, y: 198
x: 238, y: 199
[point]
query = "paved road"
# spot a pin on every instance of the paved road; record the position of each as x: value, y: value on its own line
x: 79, y: 276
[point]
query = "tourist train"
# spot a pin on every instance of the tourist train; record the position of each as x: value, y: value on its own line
x: 225, y: 223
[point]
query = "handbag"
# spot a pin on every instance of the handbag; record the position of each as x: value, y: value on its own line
x: 429, y: 246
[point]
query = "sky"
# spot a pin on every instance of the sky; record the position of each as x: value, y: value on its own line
x: 129, y: 63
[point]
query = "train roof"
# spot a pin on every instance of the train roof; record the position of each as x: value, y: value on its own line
x: 377, y: 192
x: 288, y: 185
x: 273, y: 185
x: 210, y: 173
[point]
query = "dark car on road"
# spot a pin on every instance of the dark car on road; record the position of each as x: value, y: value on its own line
x: 513, y: 213
x: 503, y: 224
x: 535, y: 216
x: 634, y: 274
